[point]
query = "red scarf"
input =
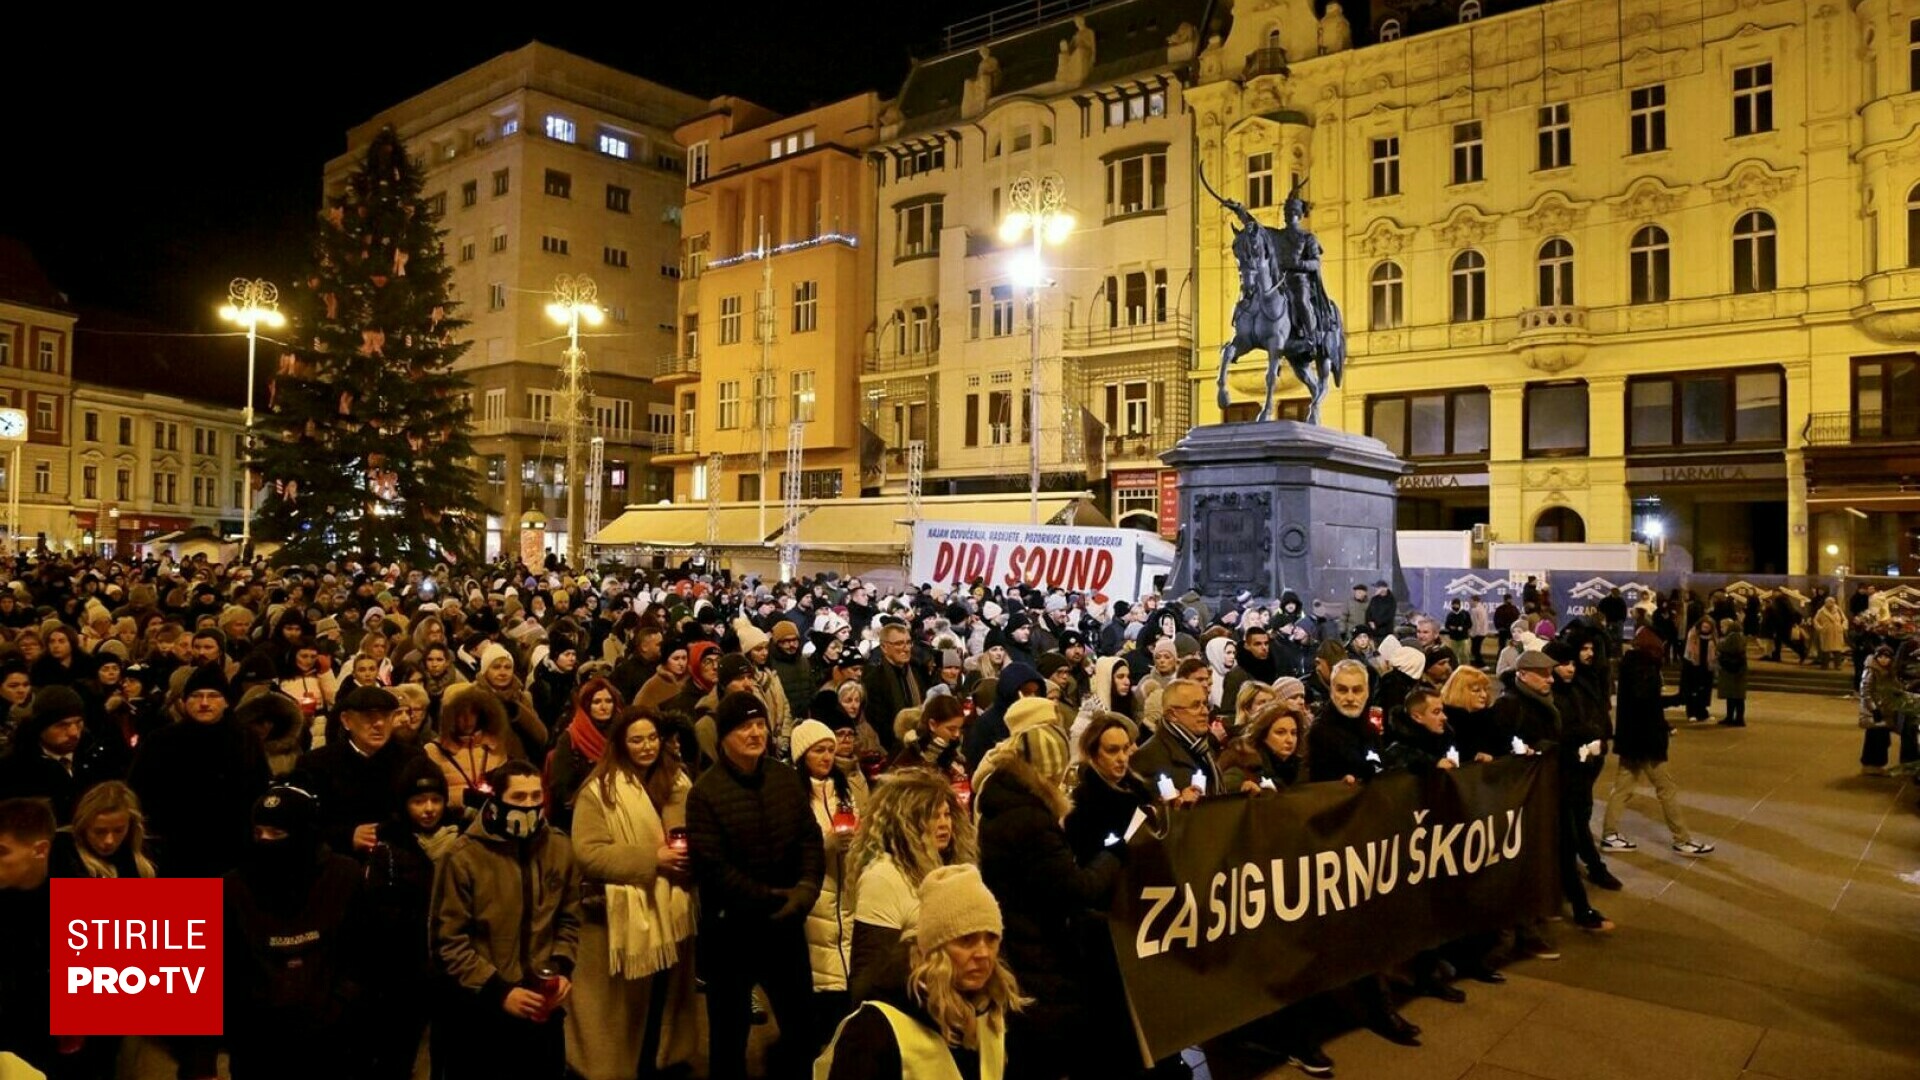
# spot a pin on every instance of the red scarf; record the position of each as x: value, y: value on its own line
x: 587, y: 738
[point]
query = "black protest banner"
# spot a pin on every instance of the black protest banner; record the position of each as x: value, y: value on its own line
x: 1250, y: 903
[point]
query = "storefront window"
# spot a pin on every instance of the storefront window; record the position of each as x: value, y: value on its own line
x: 1556, y: 419
x: 1714, y: 409
x: 1886, y: 397
x: 1445, y: 424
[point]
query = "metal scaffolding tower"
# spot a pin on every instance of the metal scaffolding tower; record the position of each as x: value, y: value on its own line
x: 916, y: 476
x: 790, y: 500
x: 763, y: 398
x: 715, y: 462
x: 596, y: 465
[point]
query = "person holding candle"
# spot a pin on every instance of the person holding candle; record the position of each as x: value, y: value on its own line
x: 634, y: 1010
x: 837, y: 791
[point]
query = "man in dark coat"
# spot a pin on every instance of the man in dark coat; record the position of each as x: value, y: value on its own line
x: 55, y: 757
x: 758, y: 858
x: 1341, y: 744
x: 354, y: 778
x: 1383, y: 611
x: 892, y: 683
x: 1182, y: 748
x: 794, y: 671
x: 197, y: 778
x: 26, y: 838
x: 988, y: 729
x: 1583, y: 736
x: 1528, y: 711
x: 296, y: 948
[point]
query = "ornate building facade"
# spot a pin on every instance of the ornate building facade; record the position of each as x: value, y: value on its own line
x: 1612, y: 269
x: 1094, y: 100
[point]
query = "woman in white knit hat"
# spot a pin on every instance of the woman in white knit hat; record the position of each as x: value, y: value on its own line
x: 837, y: 790
x: 950, y: 1018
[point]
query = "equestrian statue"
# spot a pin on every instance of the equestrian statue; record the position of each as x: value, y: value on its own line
x: 1283, y: 306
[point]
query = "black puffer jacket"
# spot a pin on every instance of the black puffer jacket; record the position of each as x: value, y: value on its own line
x: 1045, y: 895
x: 749, y: 834
x: 197, y: 783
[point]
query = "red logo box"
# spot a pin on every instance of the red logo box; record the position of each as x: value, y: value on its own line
x: 138, y: 956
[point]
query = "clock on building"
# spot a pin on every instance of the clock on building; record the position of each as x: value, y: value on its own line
x: 13, y: 425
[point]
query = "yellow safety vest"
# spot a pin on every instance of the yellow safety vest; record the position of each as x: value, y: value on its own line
x: 924, y: 1054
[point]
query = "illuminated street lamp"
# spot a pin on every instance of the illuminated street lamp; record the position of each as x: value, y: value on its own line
x: 1038, y: 209
x: 574, y: 302
x: 251, y: 303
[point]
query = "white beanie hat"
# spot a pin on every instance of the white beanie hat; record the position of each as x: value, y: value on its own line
x: 805, y: 734
x: 955, y: 902
x: 751, y: 636
x: 492, y: 651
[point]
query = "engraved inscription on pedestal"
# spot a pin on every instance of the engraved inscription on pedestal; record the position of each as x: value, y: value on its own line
x: 1235, y: 541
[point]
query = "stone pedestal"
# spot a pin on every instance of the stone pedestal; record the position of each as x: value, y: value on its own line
x: 1268, y: 507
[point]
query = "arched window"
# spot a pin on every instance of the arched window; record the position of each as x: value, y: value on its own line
x: 1389, y: 309
x: 1469, y: 10
x: 1913, y: 226
x: 1556, y: 273
x: 1753, y: 244
x: 1559, y: 525
x: 1273, y: 38
x: 1390, y: 30
x: 899, y: 333
x: 1648, y: 266
x: 1469, y: 286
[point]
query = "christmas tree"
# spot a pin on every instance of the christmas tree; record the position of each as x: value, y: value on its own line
x: 365, y: 445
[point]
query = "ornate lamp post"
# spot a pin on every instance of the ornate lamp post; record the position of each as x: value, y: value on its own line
x: 1038, y: 206
x: 251, y: 303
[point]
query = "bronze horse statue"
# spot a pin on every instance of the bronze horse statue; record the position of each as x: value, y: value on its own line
x: 1279, y: 276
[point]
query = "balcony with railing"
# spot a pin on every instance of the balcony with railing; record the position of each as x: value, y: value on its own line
x: 494, y: 427
x: 1552, y: 337
x: 1876, y: 428
x: 888, y: 362
x: 1175, y: 332
x: 677, y: 367
x: 1134, y: 447
x: 1270, y: 61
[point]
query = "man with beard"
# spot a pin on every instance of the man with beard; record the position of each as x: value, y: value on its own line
x: 1255, y: 662
x: 640, y: 664
x: 1342, y: 746
x: 794, y: 671
x: 56, y: 757
x: 354, y: 778
x: 1073, y: 646
x: 296, y: 948
x: 1019, y: 638
x: 197, y: 778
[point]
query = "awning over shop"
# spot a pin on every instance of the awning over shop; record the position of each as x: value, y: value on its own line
x: 683, y: 526
x: 886, y: 523
x: 852, y: 525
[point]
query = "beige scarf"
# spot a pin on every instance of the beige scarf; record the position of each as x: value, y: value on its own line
x: 644, y: 925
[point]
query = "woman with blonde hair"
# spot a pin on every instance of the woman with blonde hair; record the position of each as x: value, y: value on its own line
x: 108, y: 837
x: 1248, y: 701
x: 633, y: 1009
x: 949, y: 1017
x: 913, y: 824
x: 1467, y: 697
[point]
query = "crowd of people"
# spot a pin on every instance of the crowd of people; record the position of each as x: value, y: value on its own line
x: 531, y: 822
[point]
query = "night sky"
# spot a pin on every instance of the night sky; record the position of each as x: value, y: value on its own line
x: 153, y: 161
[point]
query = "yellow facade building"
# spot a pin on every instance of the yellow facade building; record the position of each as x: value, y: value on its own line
x: 1611, y: 268
x: 36, y: 377
x: 775, y: 297
x: 543, y: 163
x: 1091, y: 99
